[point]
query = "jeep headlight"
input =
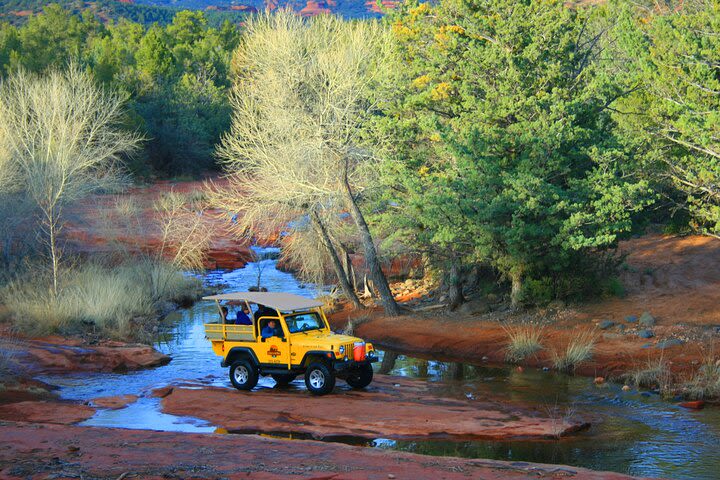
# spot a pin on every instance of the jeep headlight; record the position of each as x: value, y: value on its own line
x: 342, y: 350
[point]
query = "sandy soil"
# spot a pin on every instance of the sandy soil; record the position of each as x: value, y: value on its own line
x: 37, y: 450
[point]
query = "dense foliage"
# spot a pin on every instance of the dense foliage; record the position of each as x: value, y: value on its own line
x: 176, y: 76
x: 501, y: 140
x: 519, y: 137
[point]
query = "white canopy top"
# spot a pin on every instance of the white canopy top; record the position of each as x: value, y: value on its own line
x: 275, y: 300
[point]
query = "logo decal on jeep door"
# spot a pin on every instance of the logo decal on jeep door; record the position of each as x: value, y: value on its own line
x: 274, y: 352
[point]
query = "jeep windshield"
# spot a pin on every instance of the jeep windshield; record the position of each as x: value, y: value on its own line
x: 302, y: 322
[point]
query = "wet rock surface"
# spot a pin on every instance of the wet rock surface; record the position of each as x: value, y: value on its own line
x: 87, y: 452
x: 115, y: 402
x: 62, y: 355
x: 63, y: 413
x: 391, y: 407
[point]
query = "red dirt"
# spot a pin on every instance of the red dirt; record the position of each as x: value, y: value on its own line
x: 29, y: 451
x: 677, y: 279
x: 63, y: 413
x: 390, y: 408
x: 93, y: 226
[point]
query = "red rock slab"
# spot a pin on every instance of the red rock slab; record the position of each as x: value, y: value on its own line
x: 46, y: 412
x: 33, y: 451
x: 390, y: 408
x: 53, y: 355
x: 114, y: 403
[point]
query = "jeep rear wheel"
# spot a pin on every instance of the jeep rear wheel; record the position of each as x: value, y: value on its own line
x: 243, y: 375
x: 319, y: 379
x: 361, y: 377
x: 282, y: 379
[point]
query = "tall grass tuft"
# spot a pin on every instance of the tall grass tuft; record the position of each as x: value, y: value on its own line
x: 96, y: 297
x: 654, y: 374
x: 706, y: 381
x: 524, y: 341
x: 578, y: 351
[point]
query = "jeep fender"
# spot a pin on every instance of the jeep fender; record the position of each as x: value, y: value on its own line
x: 319, y: 355
x: 237, y: 353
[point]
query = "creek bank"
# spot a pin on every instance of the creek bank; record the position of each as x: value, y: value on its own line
x: 391, y: 407
x: 92, y: 452
x: 477, y: 340
x: 55, y: 354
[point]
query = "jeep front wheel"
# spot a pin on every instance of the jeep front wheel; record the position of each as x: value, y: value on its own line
x: 361, y: 377
x: 319, y: 379
x: 243, y: 375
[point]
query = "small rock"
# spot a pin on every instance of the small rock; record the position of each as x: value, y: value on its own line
x: 647, y: 333
x: 605, y: 324
x: 546, y: 369
x: 390, y: 475
x: 491, y: 297
x: 485, y: 359
x: 631, y: 319
x: 474, y: 307
x: 672, y: 342
x: 626, y: 388
x: 621, y: 328
x: 520, y: 369
x: 647, y: 320
x: 599, y: 380
x: 696, y: 405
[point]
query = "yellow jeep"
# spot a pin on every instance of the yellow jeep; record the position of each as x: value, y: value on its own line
x: 300, y: 342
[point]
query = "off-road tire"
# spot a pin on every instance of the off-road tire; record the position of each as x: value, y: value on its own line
x: 361, y: 377
x: 243, y: 375
x: 319, y: 379
x: 282, y: 379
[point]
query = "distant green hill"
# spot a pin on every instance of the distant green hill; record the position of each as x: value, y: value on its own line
x: 17, y: 11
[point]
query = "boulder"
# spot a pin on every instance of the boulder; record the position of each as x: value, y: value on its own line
x: 605, y: 324
x: 474, y: 307
x: 671, y: 342
x: 647, y: 333
x: 647, y: 320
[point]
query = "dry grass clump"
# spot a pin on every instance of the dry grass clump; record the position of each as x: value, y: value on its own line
x: 95, y: 297
x: 524, y: 341
x: 579, y: 350
x: 655, y: 374
x: 706, y: 382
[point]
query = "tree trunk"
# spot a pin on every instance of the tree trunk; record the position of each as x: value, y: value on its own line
x: 54, y: 252
x: 371, y: 257
x: 337, y: 265
x: 455, y: 284
x: 516, y: 289
x: 388, y: 362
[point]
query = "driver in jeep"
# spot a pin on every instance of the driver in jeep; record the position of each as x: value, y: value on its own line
x: 271, y: 330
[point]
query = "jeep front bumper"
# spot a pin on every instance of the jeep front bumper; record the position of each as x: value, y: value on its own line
x: 345, y: 364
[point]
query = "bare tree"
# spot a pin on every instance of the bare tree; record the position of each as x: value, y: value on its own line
x: 301, y: 93
x: 62, y: 141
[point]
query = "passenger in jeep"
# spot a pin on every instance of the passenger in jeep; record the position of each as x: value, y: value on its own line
x: 271, y: 330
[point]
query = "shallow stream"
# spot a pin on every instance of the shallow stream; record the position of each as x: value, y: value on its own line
x: 632, y: 432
